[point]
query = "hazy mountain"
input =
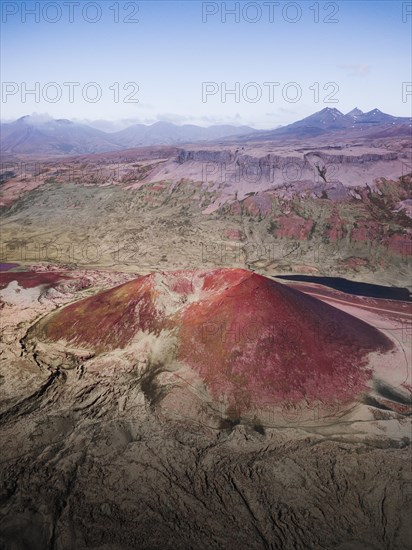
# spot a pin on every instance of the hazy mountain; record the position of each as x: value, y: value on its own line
x: 166, y: 133
x: 330, y: 120
x: 41, y: 134
x: 376, y: 117
x: 44, y: 135
x: 355, y: 113
x: 32, y: 135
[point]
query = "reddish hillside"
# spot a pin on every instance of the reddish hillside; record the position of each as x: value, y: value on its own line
x: 248, y: 337
x: 110, y: 319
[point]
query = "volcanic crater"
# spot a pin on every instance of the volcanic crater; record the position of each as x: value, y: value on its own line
x: 248, y: 340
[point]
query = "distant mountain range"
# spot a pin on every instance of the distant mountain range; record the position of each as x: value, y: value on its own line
x: 29, y: 135
x: 166, y: 133
x: 374, y: 123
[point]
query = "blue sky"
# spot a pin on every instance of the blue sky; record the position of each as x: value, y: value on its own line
x: 169, y: 50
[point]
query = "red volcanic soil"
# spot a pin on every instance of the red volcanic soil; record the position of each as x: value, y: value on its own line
x: 256, y: 337
x: 248, y: 337
x: 365, y: 231
x: 294, y: 227
x: 401, y: 244
x: 337, y: 227
x: 31, y: 279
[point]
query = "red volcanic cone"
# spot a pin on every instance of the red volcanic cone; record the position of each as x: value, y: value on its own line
x: 248, y: 337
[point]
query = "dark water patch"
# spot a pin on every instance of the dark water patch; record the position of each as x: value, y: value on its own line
x: 354, y: 287
x: 7, y: 267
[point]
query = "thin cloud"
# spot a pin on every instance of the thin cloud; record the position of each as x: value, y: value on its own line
x: 356, y: 70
